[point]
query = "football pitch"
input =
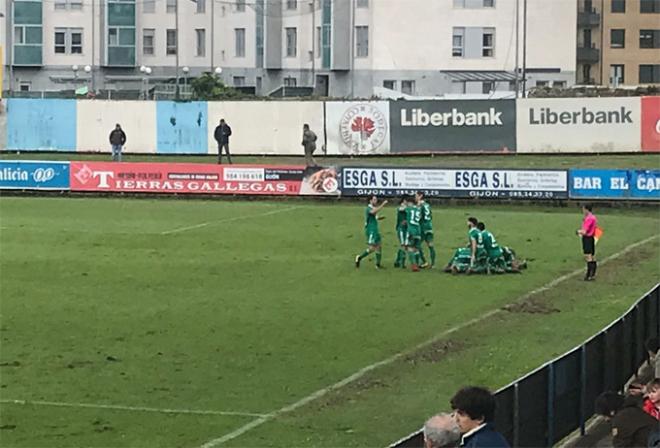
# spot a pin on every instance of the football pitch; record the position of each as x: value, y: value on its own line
x: 169, y: 322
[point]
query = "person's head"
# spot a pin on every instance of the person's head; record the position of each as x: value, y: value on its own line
x: 652, y: 345
x: 472, y: 222
x: 117, y: 126
x: 586, y: 209
x: 472, y: 407
x: 305, y: 127
x: 608, y: 403
x: 441, y: 431
x: 419, y: 197
x: 403, y: 201
x: 222, y: 121
x: 653, y: 391
x: 481, y: 226
x: 373, y: 200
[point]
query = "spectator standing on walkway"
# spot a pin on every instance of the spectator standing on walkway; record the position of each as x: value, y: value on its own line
x: 117, y: 141
x: 221, y: 135
x: 474, y: 410
x: 588, y: 232
x: 441, y: 431
x: 631, y: 426
x: 309, y: 144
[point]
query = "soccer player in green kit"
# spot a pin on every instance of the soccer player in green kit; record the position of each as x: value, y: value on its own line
x: 371, y: 231
x: 476, y: 244
x: 413, y: 222
x: 426, y: 226
x: 401, y: 233
x: 493, y: 250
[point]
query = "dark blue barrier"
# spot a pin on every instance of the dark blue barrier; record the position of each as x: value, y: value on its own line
x: 28, y: 175
x: 546, y: 405
x: 615, y: 184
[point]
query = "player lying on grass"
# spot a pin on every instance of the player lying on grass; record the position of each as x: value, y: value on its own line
x: 483, y: 255
x: 371, y: 232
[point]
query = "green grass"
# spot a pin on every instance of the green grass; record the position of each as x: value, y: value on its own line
x: 256, y: 310
x: 558, y: 161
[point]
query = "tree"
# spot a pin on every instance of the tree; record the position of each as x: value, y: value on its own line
x: 210, y: 87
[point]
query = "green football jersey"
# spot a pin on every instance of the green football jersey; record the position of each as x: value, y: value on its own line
x: 490, y: 244
x: 401, y: 218
x: 413, y: 218
x: 475, y: 234
x: 426, y: 215
x: 371, y: 220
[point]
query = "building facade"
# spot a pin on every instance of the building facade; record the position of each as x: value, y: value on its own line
x: 618, y: 42
x: 339, y: 48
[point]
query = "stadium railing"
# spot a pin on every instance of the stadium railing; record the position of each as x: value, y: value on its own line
x: 549, y: 403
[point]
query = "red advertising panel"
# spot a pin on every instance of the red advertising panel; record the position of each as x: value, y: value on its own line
x: 651, y: 124
x: 196, y: 178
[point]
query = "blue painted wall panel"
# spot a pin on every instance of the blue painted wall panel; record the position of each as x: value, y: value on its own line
x: 35, y: 124
x: 182, y: 128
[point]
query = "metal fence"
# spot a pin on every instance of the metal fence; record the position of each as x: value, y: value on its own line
x: 546, y: 405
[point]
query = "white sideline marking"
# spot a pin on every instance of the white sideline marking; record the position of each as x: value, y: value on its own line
x: 235, y: 218
x: 129, y: 408
x: 360, y: 373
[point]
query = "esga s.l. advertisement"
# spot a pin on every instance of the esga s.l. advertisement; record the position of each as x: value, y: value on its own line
x: 193, y: 178
x: 497, y: 184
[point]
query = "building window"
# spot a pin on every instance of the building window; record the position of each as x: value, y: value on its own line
x: 408, y: 87
x: 618, y: 6
x: 488, y: 43
x: 200, y: 35
x: 19, y: 34
x: 487, y: 87
x: 148, y: 36
x: 457, y: 42
x: 586, y: 74
x: 291, y: 4
x: 361, y: 41
x: 149, y: 6
x: 74, y: 5
x: 649, y: 74
x: 171, y: 42
x: 291, y: 42
x: 60, y: 4
x: 617, y: 38
x: 489, y: 3
x: 290, y: 82
x: 542, y: 83
x: 649, y: 6
x: 201, y: 6
x: 472, y: 4
x: 239, y: 81
x: 239, y: 44
x: 171, y: 6
x: 559, y: 84
x: 389, y: 84
x: 68, y: 40
x: 113, y: 36
x: 459, y: 3
x: 649, y: 38
x: 240, y: 5
x: 25, y: 86
x: 318, y: 41
x: 616, y: 74
x: 362, y: 3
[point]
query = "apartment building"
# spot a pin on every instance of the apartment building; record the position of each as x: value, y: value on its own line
x: 340, y: 48
x: 618, y: 42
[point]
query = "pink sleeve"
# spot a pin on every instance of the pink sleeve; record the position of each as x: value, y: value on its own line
x: 589, y: 225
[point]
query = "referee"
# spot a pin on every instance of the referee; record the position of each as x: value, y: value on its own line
x: 587, y: 233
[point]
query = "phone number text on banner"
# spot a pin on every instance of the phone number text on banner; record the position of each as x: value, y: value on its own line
x: 34, y: 175
x: 203, y: 179
x: 496, y: 184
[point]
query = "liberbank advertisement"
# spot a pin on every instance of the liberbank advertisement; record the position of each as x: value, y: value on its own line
x: 453, y: 126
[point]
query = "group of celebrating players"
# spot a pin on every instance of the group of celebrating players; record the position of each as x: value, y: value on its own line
x: 414, y: 228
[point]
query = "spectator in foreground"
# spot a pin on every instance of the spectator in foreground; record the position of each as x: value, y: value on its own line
x: 309, y: 144
x: 631, y: 426
x: 441, y: 431
x: 652, y: 401
x: 221, y: 135
x: 474, y: 410
x: 117, y: 140
x: 653, y: 348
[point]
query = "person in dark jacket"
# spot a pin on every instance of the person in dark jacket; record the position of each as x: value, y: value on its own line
x: 474, y: 409
x: 309, y: 144
x: 117, y: 140
x: 631, y: 426
x: 221, y: 135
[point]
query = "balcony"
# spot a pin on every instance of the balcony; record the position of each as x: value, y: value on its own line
x: 588, y: 19
x: 589, y: 55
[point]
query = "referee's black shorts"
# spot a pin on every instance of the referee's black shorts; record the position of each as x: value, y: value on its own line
x: 588, y: 245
